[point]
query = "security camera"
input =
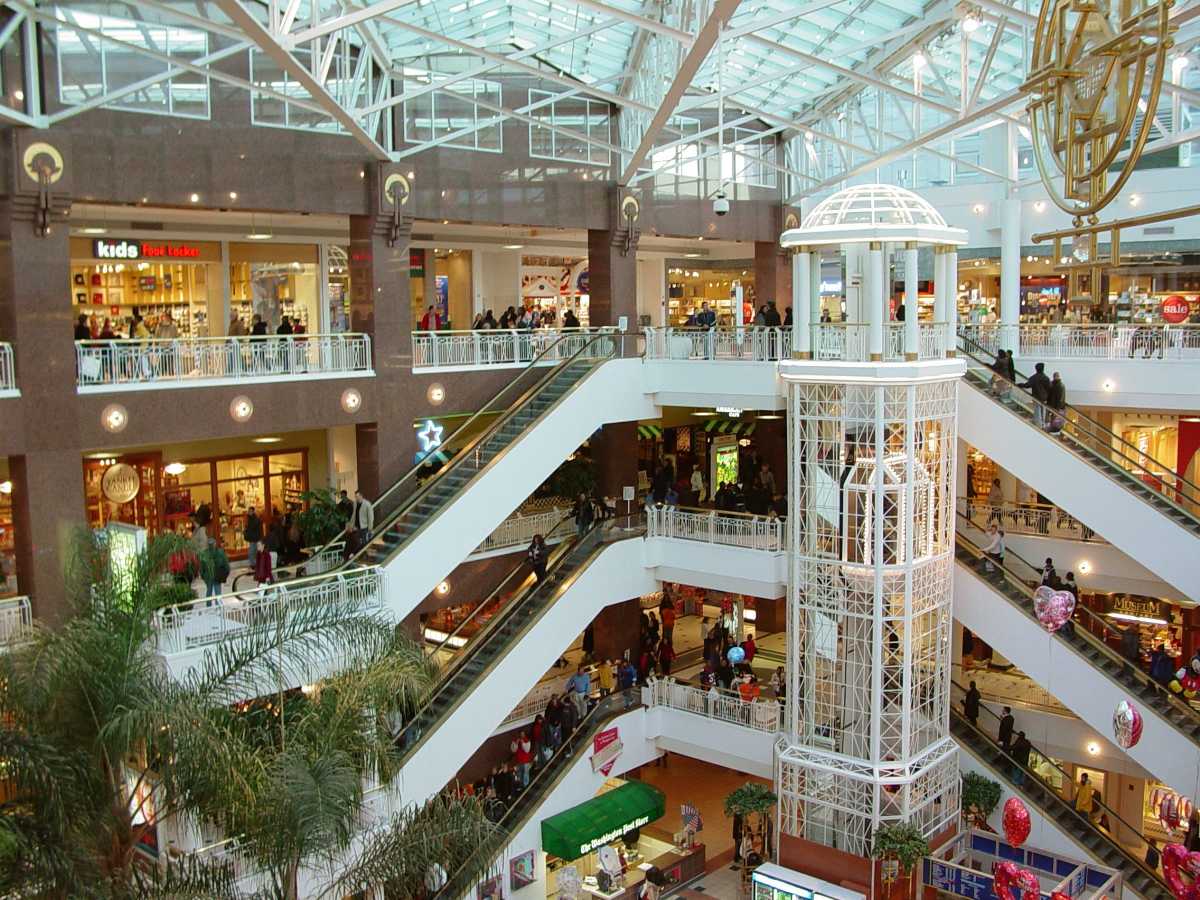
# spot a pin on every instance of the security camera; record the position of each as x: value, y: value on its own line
x: 720, y: 204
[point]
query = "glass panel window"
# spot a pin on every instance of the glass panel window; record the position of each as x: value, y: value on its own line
x: 574, y: 122
x: 748, y: 158
x: 92, y: 65
x: 683, y: 159
x: 456, y: 110
x: 298, y: 110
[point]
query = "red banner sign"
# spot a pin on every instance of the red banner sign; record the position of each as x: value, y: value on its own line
x: 606, y: 747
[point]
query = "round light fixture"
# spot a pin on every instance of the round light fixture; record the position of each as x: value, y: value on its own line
x: 114, y: 417
x: 978, y: 209
x: 971, y: 23
x: 175, y: 468
x: 241, y: 408
x: 195, y: 198
x: 5, y: 487
x: 1039, y: 205
x: 1093, y: 748
x: 1084, y: 567
x: 443, y: 589
x: 1108, y: 386
x: 436, y: 394
x: 351, y: 400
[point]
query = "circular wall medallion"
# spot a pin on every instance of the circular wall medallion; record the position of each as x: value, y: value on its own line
x: 120, y: 483
x: 42, y: 160
x: 396, y: 188
x: 630, y: 208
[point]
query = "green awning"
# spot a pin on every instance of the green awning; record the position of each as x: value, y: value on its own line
x: 578, y: 831
x: 649, y: 431
x: 730, y: 426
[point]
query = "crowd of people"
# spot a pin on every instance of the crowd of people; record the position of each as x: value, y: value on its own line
x: 525, y: 318
x: 759, y: 495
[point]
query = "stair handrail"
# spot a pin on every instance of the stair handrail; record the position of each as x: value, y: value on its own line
x: 613, y: 338
x: 1090, y: 620
x: 1093, y: 432
x: 594, y: 535
x: 545, y: 780
x: 1068, y: 804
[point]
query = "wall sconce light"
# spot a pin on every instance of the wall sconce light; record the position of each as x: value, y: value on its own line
x: 1108, y: 385
x: 978, y: 209
x: 443, y: 588
x: 1084, y: 567
x: 1093, y: 748
x: 436, y: 394
x: 114, y: 418
x: 241, y: 408
x: 351, y: 400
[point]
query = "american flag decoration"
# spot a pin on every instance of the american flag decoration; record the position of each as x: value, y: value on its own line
x: 691, y: 818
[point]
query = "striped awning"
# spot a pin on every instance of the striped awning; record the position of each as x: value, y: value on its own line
x: 649, y: 431
x: 727, y: 425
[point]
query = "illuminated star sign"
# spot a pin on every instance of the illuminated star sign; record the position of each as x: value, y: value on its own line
x: 430, y: 436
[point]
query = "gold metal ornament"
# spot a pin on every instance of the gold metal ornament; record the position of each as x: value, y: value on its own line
x: 1096, y: 72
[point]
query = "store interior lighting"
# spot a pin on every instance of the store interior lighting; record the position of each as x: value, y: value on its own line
x: 266, y: 440
x: 435, y: 636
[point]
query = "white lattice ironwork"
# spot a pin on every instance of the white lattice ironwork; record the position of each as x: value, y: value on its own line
x: 869, y: 606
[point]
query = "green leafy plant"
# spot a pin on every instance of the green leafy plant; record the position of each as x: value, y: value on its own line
x: 574, y: 477
x: 172, y: 593
x: 100, y: 744
x: 980, y: 796
x: 750, y: 799
x: 320, y: 521
x: 903, y: 842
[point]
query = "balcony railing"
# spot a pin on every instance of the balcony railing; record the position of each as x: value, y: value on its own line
x: 204, y: 622
x: 183, y: 362
x: 765, y: 714
x: 1027, y: 518
x: 16, y: 621
x: 450, y: 351
x: 749, y: 344
x: 712, y: 527
x: 8, y: 374
x: 841, y: 341
x: 1154, y: 342
x: 518, y: 530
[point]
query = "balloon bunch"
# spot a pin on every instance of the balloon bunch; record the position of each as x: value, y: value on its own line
x: 1007, y: 875
x: 1016, y: 821
x: 1177, y: 861
x: 1127, y: 724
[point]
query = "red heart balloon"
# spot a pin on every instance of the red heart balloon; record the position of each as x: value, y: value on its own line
x: 1177, y: 862
x: 1016, y: 821
x: 1007, y: 875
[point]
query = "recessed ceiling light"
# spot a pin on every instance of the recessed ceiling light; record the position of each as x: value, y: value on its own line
x: 769, y: 416
x: 175, y: 468
x: 93, y: 229
x: 266, y: 440
x: 693, y: 255
x: 703, y: 412
x: 259, y: 236
x: 514, y: 246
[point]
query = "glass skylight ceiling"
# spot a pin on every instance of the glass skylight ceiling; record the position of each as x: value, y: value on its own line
x: 839, y: 85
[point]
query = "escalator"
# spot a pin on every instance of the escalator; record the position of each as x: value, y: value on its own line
x: 461, y: 883
x: 1030, y: 782
x: 586, y: 573
x: 1095, y: 475
x: 1076, y: 664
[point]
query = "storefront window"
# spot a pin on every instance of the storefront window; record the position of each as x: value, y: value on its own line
x: 8, y: 557
x: 174, y: 286
x: 270, y: 281
x: 722, y: 288
x: 338, y: 289
x: 123, y: 489
x: 552, y: 285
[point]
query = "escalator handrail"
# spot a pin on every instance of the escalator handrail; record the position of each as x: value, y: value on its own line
x: 1114, y: 816
x: 1095, y: 430
x: 504, y: 584
x: 545, y: 780
x: 1087, y: 636
x: 962, y: 519
x: 493, y: 407
x: 481, y: 639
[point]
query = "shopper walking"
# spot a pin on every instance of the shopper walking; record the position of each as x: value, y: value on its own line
x: 1057, y: 401
x: 668, y: 622
x: 1085, y: 798
x: 584, y: 515
x: 536, y: 556
x: 1019, y: 753
x: 993, y: 550
x: 431, y: 321
x: 606, y: 676
x: 1038, y: 386
x: 1005, y: 734
x: 626, y: 679
x: 522, y: 757
x: 580, y: 686
x: 252, y: 533
x: 996, y: 499
x: 666, y: 656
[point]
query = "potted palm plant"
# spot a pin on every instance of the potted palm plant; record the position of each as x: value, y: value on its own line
x: 898, y: 848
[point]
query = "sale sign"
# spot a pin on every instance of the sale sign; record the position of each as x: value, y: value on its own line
x: 1175, y: 309
x: 606, y: 747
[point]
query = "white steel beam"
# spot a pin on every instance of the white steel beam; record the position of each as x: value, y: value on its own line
x: 997, y: 35
x: 259, y: 34
x: 337, y: 23
x: 709, y: 33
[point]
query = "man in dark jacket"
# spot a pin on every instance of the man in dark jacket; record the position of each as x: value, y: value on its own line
x: 253, y: 533
x: 1006, y: 728
x: 1020, y: 755
x: 971, y: 704
x: 1039, y: 386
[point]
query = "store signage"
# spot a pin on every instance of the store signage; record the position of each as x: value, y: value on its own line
x: 120, y: 483
x: 104, y: 248
x: 609, y: 837
x: 606, y: 747
x: 1134, y: 607
x: 1175, y: 309
x: 732, y: 411
x: 831, y: 287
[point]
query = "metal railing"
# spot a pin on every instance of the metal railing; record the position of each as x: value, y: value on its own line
x: 1067, y: 341
x: 107, y: 364
x: 518, y: 530
x: 850, y: 341
x: 321, y: 560
x: 204, y: 622
x: 1023, y: 691
x: 765, y: 714
x: 713, y: 527
x: 535, y: 702
x: 16, y: 620
x: 1027, y: 518
x: 752, y: 343
x: 497, y: 348
x: 8, y: 372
